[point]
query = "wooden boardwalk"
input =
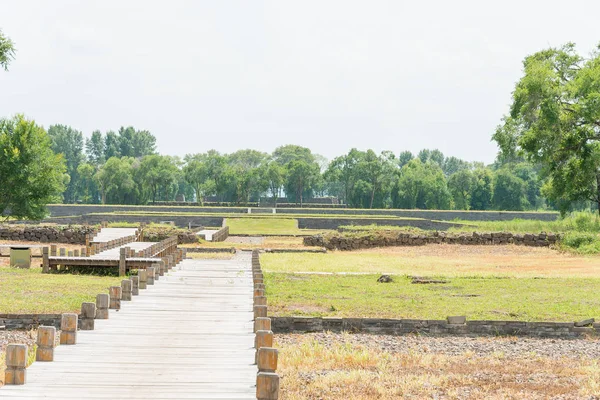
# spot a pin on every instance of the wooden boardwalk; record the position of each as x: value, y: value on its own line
x: 189, y: 336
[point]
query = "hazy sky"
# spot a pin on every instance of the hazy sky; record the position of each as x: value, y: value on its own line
x: 329, y: 75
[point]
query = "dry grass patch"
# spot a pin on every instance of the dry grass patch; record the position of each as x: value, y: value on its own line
x: 346, y: 370
x: 442, y: 259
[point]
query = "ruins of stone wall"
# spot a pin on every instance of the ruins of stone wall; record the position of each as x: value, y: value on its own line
x: 66, y: 234
x: 564, y: 330
x: 369, y: 240
x: 221, y: 234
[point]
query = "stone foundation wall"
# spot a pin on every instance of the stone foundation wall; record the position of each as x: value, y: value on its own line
x: 221, y: 234
x: 181, y: 221
x: 432, y: 327
x: 72, y: 235
x: 335, y: 223
x: 29, y: 321
x: 369, y: 240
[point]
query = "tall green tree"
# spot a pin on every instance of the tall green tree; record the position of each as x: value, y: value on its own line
x: 111, y: 145
x: 115, y: 180
x: 94, y: 148
x: 31, y: 174
x: 461, y: 185
x: 422, y: 185
x: 483, y: 189
x: 68, y: 142
x: 7, y: 51
x: 510, y: 191
x: 301, y: 176
x: 158, y: 173
x: 555, y: 121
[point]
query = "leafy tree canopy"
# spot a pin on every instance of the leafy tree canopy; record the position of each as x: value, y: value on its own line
x: 32, y: 175
x: 555, y: 121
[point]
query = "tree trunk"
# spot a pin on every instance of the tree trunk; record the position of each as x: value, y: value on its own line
x: 372, y: 197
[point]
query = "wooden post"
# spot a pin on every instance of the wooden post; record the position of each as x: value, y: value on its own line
x: 267, y: 386
x: 16, y: 362
x: 46, y: 340
x: 263, y: 339
x: 87, y: 316
x: 126, y: 289
x: 102, y: 302
x: 260, y: 311
x: 156, y: 271
x: 163, y: 267
x: 135, y: 285
x: 122, y: 261
x: 143, y: 275
x: 68, y: 328
x: 52, y: 250
x: 267, y: 359
x: 115, y: 297
x: 262, y: 324
x: 150, y: 279
x: 259, y: 292
x: 260, y: 301
x: 45, y: 260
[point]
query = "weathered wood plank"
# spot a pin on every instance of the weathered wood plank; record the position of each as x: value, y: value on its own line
x: 190, y: 335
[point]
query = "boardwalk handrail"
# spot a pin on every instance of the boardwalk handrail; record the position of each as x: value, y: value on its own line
x: 157, y: 253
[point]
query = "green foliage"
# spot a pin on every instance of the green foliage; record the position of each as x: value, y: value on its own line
x: 460, y: 185
x: 509, y: 191
x: 7, y: 51
x: 68, y: 142
x: 115, y: 181
x: 31, y: 174
x: 422, y: 185
x: 554, y: 121
x: 159, y: 174
x: 482, y: 192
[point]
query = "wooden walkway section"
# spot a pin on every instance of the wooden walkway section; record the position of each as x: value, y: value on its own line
x: 189, y: 336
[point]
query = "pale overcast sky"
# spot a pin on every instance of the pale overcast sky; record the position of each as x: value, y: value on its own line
x: 329, y: 75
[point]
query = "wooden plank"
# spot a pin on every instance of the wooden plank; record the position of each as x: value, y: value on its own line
x: 191, y: 334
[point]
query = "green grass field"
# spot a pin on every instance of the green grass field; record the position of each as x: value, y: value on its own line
x: 26, y: 291
x: 528, y: 299
x: 266, y: 226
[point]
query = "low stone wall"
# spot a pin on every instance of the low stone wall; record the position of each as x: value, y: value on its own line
x: 181, y: 221
x: 335, y: 223
x: 432, y: 327
x: 66, y: 234
x: 390, y: 238
x: 29, y: 321
x: 437, y: 215
x: 221, y: 234
x: 73, y: 210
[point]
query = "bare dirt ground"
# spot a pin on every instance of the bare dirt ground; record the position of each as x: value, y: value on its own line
x: 357, y: 366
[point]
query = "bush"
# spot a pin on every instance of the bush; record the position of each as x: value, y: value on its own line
x: 582, y: 242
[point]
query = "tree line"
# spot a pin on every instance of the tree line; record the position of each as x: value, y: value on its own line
x: 124, y: 167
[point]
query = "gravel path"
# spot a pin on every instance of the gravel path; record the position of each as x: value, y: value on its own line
x: 245, y: 239
x: 510, y: 347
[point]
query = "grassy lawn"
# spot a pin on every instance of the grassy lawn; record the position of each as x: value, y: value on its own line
x: 345, y: 370
x: 29, y: 291
x: 530, y: 299
x: 446, y: 260
x: 266, y: 226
